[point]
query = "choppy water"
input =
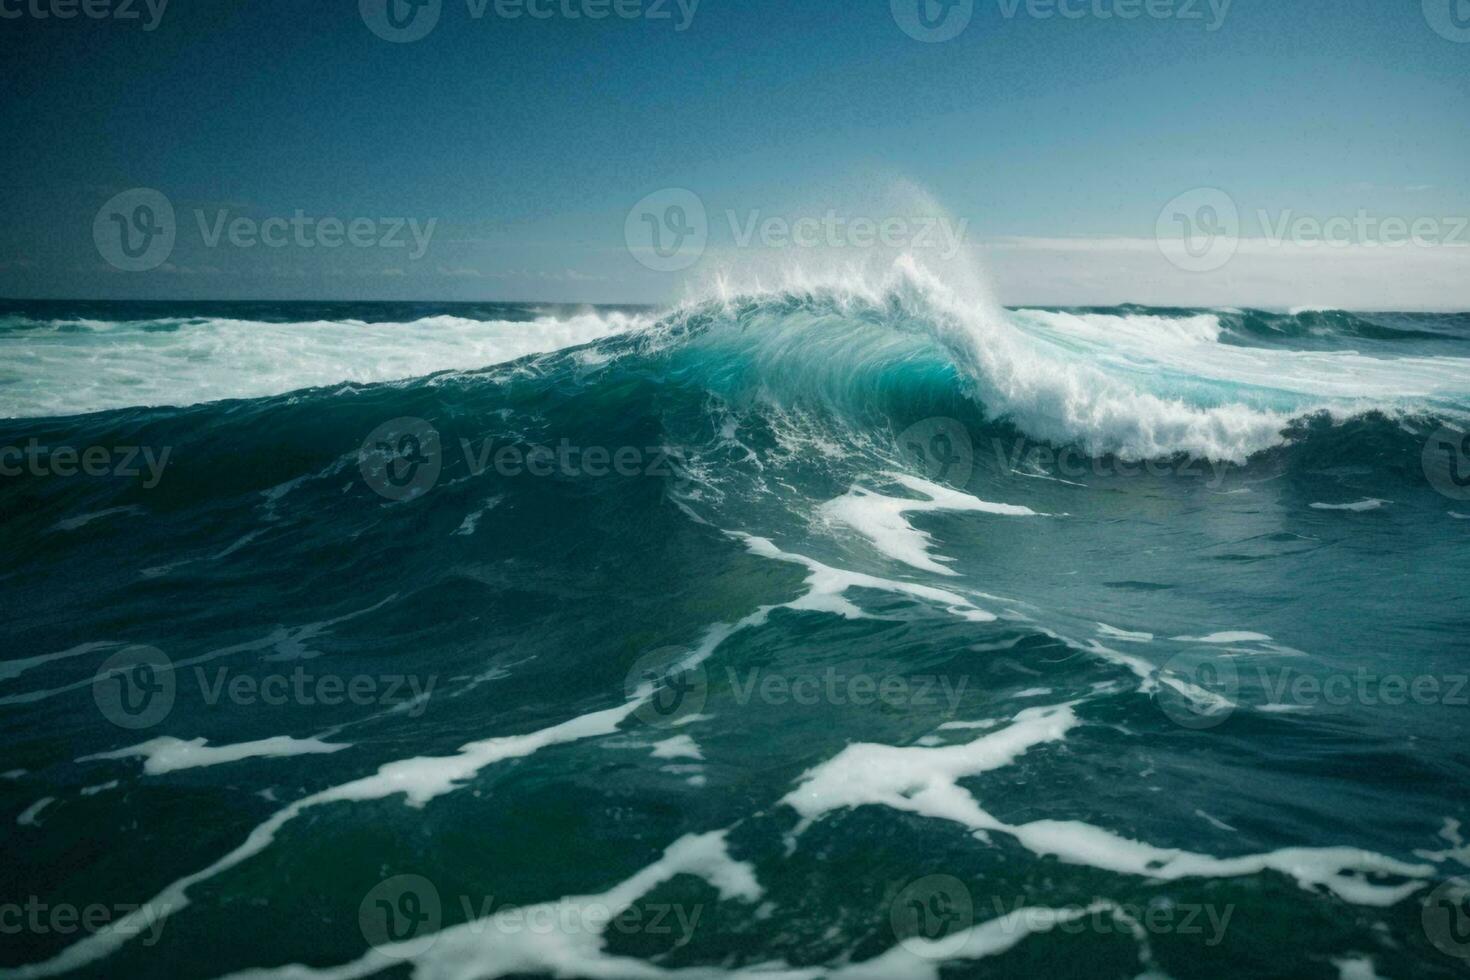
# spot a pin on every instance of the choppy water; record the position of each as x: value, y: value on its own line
x: 858, y: 631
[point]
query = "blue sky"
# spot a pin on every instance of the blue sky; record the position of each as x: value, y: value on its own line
x: 1055, y: 140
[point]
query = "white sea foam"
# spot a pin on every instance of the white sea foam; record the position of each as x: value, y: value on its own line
x: 1371, y: 503
x: 920, y: 959
x: 827, y: 587
x: 1458, y: 851
x: 1146, y: 385
x: 678, y: 747
x: 1232, y: 636
x: 1123, y: 636
x: 568, y: 947
x: 167, y: 754
x: 1214, y: 821
x: 418, y: 780
x: 82, y: 520
x: 471, y: 521
x: 881, y: 520
x: 1140, y: 386
x: 925, y: 781
x: 30, y: 817
x: 94, y: 366
x: 1356, y: 968
x: 10, y: 669
x: 960, y: 725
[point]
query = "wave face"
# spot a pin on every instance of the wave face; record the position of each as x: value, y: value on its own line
x: 856, y: 629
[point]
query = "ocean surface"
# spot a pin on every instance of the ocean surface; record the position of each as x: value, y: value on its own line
x: 858, y: 630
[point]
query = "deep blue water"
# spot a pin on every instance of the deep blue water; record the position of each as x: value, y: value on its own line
x: 825, y: 634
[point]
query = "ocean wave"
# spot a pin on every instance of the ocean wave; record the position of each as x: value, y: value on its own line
x: 1129, y: 383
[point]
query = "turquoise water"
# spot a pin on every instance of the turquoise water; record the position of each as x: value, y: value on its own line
x: 836, y: 633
